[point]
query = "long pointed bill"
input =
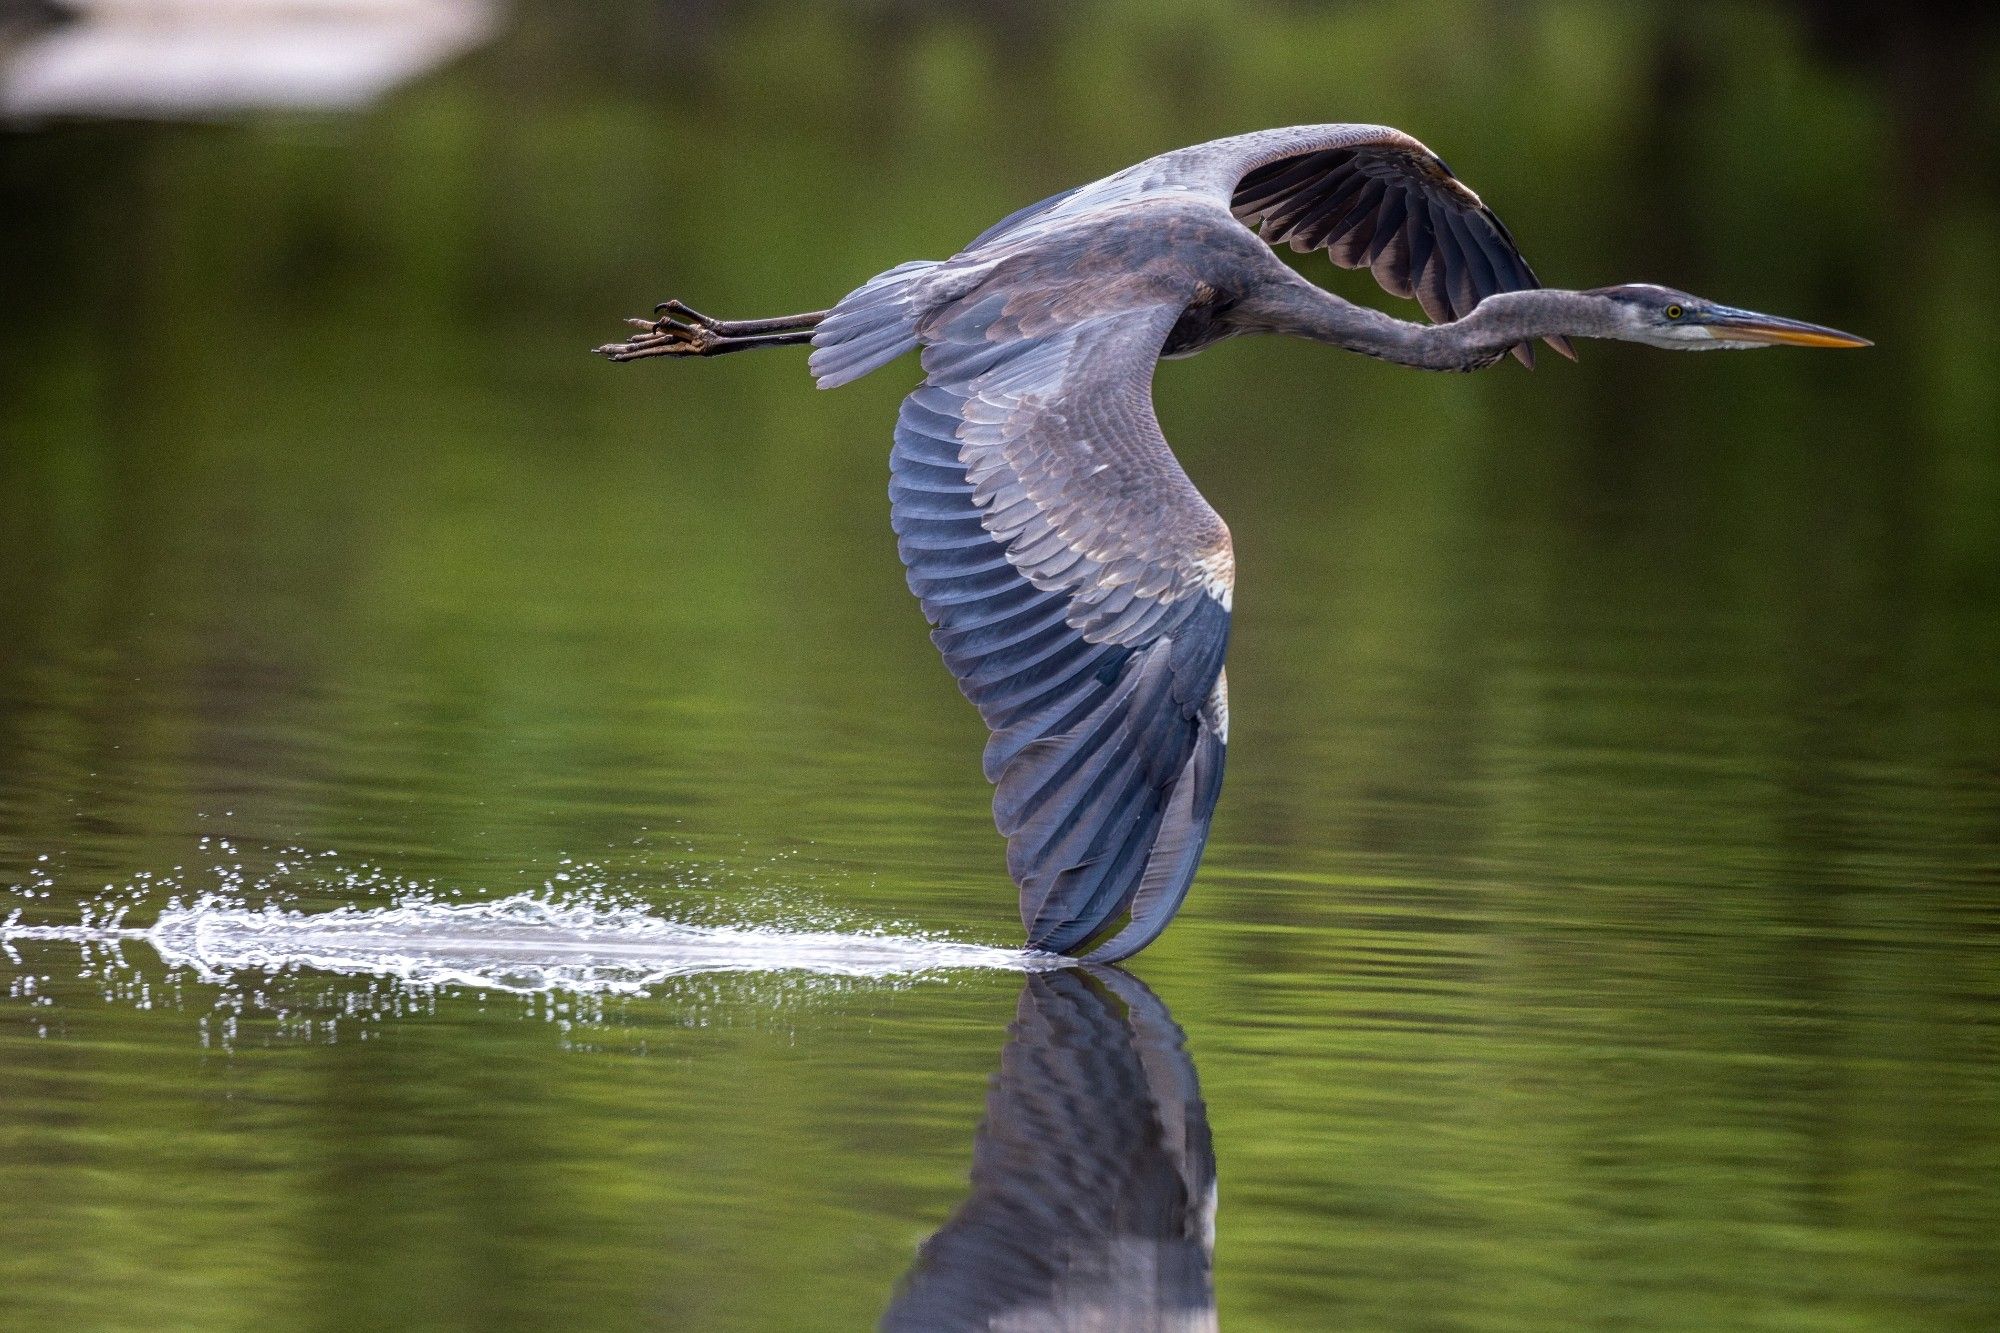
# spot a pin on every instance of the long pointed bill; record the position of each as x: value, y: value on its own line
x: 1750, y: 327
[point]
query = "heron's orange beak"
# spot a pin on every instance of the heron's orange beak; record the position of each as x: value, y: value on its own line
x: 1749, y: 326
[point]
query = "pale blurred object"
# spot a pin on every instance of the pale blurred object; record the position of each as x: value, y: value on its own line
x: 201, y: 59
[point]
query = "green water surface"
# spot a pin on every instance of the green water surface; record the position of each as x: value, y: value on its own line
x: 1602, y: 923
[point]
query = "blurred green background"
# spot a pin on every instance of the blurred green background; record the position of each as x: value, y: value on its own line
x: 1600, y: 926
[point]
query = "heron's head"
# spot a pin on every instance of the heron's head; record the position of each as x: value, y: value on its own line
x: 1663, y: 317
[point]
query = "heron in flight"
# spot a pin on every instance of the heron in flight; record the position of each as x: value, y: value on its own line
x: 1078, y: 584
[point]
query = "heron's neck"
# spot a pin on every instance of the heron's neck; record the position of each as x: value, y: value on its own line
x: 1477, y: 340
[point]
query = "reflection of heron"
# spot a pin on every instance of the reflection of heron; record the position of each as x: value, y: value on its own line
x: 1079, y: 583
x: 1093, y: 1182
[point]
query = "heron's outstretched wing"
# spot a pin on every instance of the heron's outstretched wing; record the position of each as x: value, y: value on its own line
x: 1079, y: 586
x: 1375, y: 198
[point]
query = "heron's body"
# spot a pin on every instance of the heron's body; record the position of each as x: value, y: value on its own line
x: 1079, y: 585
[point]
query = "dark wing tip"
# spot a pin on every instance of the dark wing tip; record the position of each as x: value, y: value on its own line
x: 1393, y: 206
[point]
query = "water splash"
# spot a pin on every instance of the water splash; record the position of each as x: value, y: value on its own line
x: 260, y: 949
x: 527, y: 945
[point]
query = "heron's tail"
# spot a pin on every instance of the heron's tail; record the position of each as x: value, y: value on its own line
x: 872, y: 326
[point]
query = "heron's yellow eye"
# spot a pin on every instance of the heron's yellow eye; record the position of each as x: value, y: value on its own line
x: 1675, y: 312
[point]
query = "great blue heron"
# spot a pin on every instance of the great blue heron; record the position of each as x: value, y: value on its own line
x: 1078, y: 582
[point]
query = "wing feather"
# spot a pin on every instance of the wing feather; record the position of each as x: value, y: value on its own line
x: 1375, y: 198
x: 1093, y: 646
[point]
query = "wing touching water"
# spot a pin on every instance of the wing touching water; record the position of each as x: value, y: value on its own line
x: 1079, y: 586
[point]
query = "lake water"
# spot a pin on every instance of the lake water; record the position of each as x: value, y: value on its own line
x: 486, y: 843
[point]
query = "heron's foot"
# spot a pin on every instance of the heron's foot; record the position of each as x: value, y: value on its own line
x: 683, y: 331
x: 665, y: 335
x: 677, y: 329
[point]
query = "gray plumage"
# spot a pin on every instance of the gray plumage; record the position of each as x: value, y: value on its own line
x: 1078, y: 584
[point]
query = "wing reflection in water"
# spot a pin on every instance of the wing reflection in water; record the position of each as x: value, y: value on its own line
x: 1093, y: 1178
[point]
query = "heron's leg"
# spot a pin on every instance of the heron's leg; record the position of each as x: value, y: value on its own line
x: 666, y: 311
x: 700, y: 342
x: 696, y: 334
